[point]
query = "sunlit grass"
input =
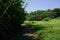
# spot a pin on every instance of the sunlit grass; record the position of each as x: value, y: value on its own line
x: 51, y: 31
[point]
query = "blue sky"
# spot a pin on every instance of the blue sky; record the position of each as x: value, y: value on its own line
x: 42, y: 5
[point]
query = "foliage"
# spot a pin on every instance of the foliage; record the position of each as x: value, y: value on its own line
x: 49, y: 31
x: 46, y: 19
x: 41, y: 14
x: 57, y: 10
x: 12, y: 16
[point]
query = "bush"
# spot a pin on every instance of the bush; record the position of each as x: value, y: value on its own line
x: 58, y: 18
x: 47, y: 19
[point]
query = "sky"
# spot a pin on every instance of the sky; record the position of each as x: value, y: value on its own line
x: 34, y: 5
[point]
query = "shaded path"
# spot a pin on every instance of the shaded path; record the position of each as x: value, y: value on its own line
x: 28, y: 33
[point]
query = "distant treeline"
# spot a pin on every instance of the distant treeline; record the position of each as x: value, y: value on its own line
x: 43, y: 14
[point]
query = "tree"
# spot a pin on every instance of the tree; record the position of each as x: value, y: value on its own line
x: 42, y: 14
x: 57, y: 10
x: 12, y: 15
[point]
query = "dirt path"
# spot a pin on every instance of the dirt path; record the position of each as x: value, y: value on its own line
x: 29, y: 34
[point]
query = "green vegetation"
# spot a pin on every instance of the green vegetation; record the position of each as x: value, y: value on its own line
x: 45, y: 23
x: 46, y: 30
x: 43, y: 14
x: 12, y: 15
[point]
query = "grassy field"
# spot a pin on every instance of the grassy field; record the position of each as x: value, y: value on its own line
x: 46, y: 30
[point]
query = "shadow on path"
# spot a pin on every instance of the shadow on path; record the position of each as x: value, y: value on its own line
x: 28, y: 33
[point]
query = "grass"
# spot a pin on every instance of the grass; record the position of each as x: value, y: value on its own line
x: 46, y: 30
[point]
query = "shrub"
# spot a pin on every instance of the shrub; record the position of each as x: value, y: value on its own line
x: 47, y: 19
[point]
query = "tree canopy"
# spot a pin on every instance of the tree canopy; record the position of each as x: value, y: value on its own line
x: 12, y: 15
x: 42, y: 14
